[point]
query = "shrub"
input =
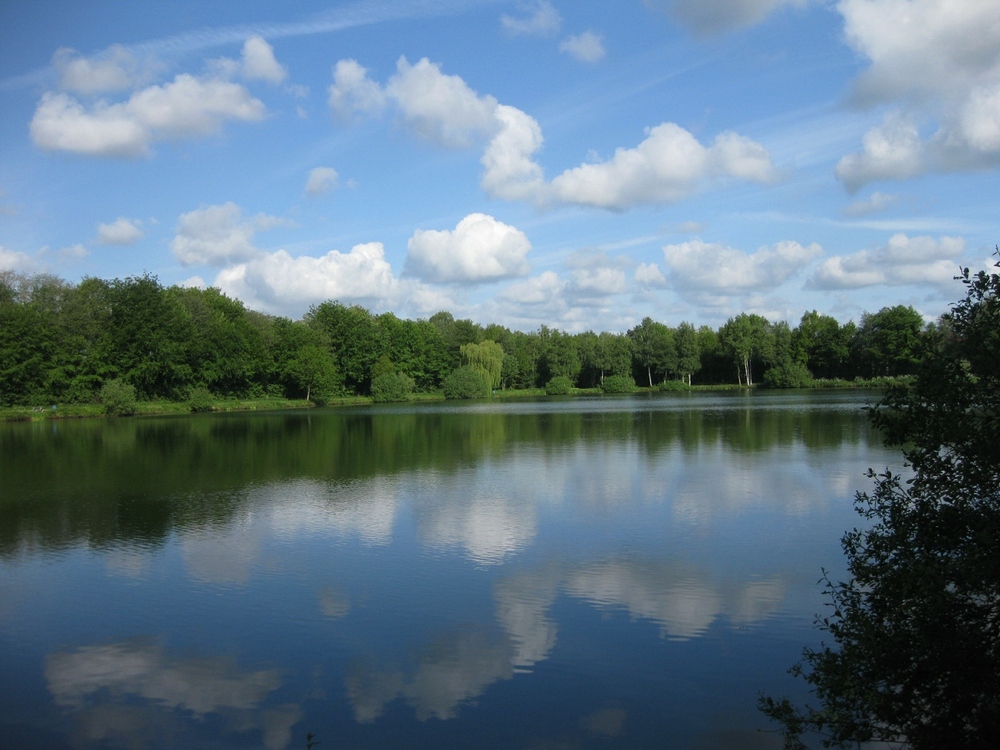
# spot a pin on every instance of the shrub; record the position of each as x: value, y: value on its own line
x: 673, y: 385
x: 560, y: 385
x: 391, y: 386
x: 618, y: 384
x: 201, y: 400
x: 465, y: 383
x: 789, y: 375
x: 118, y: 398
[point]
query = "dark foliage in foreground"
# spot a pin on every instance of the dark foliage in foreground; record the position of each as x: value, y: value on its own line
x: 916, y: 627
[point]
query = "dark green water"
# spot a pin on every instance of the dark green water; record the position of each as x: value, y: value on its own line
x: 625, y: 572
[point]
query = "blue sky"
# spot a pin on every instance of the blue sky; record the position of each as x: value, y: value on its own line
x: 574, y: 164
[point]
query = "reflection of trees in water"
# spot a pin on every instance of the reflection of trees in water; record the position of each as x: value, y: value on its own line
x: 113, y: 480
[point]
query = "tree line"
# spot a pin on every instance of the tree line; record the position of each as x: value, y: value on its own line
x: 62, y: 342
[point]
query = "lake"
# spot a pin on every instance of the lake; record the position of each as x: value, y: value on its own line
x: 624, y: 572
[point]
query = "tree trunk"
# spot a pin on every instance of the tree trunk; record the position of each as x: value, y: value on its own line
x: 649, y: 374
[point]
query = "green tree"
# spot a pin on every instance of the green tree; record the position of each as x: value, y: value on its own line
x: 688, y: 351
x: 465, y: 383
x: 823, y: 343
x: 313, y: 371
x: 916, y: 625
x: 655, y: 348
x: 485, y: 358
x: 559, y: 355
x: 888, y: 342
x: 148, y: 337
x: 747, y: 340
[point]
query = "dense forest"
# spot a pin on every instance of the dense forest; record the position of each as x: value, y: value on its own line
x: 63, y: 343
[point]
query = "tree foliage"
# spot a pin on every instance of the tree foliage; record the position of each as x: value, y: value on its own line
x: 917, y: 624
x: 465, y: 383
x: 486, y: 359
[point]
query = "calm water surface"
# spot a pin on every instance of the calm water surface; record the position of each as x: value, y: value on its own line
x: 618, y: 572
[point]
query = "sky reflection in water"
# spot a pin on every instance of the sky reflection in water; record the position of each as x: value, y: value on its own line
x: 616, y: 572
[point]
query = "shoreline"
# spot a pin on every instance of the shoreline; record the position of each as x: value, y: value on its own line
x: 174, y: 408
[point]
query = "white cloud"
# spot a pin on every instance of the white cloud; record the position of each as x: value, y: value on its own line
x: 538, y: 290
x: 901, y: 261
x: 892, y: 151
x: 698, y: 266
x: 540, y: 19
x: 187, y: 106
x: 936, y: 60
x: 923, y: 48
x: 586, y: 47
x: 194, y: 282
x: 12, y: 260
x: 595, y: 284
x: 877, y: 203
x: 509, y: 171
x: 440, y: 108
x: 320, y: 180
x: 121, y: 231
x: 115, y: 70
x: 277, y: 281
x: 479, y: 249
x: 667, y: 166
x: 73, y: 252
x: 353, y: 93
x: 711, y: 16
x: 218, y: 235
x: 259, y: 63
x: 650, y: 275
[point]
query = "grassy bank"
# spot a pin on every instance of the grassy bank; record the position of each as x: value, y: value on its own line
x: 166, y: 408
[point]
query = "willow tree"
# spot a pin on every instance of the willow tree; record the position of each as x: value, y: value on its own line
x: 486, y: 359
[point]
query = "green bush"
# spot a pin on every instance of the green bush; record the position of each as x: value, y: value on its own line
x: 790, y: 375
x: 465, y: 383
x: 618, y: 384
x: 560, y: 385
x: 673, y: 385
x: 201, y: 400
x: 118, y: 398
x: 391, y: 386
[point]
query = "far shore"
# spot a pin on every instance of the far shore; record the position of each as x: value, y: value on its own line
x: 173, y: 408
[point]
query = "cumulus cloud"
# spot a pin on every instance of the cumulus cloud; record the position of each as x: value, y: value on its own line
x: 114, y: 70
x: 712, y: 16
x: 922, y: 48
x: 667, y: 166
x: 276, y: 280
x: 698, y: 266
x: 650, y: 275
x: 936, y: 60
x: 320, y: 180
x: 901, y: 261
x: 259, y: 63
x: 892, y: 151
x: 13, y: 260
x: 121, y: 231
x: 586, y: 47
x: 539, y: 18
x: 877, y: 203
x: 218, y: 235
x: 438, y: 107
x: 479, y: 249
x: 185, y: 107
x: 353, y: 93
